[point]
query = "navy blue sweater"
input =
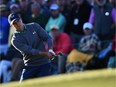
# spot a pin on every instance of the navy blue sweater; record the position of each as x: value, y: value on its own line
x: 30, y: 42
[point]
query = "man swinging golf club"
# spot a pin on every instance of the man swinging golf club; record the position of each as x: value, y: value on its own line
x: 29, y: 39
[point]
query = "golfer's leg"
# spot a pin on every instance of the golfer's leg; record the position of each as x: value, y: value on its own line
x: 28, y: 73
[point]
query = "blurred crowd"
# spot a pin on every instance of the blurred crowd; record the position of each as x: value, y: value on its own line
x: 83, y: 30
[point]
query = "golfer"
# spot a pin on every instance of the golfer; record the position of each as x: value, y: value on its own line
x: 30, y: 40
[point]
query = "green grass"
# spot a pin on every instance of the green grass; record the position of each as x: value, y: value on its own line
x: 98, y: 78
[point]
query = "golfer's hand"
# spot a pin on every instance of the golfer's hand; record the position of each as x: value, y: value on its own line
x: 50, y: 55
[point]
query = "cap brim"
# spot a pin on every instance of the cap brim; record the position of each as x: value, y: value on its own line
x: 54, y: 29
x: 54, y: 8
x: 87, y: 29
x: 14, y: 20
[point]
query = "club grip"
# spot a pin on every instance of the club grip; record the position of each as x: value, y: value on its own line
x: 59, y: 54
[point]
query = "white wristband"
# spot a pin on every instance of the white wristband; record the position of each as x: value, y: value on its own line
x: 51, y: 51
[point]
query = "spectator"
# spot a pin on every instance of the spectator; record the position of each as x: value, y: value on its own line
x: 15, y: 8
x: 1, y: 2
x: 4, y: 10
x: 112, y: 59
x: 88, y: 47
x: 38, y: 15
x: 92, y: 2
x: 111, y: 63
x: 4, y: 30
x: 114, y: 43
x: 113, y: 3
x: 48, y: 3
x: 113, y: 27
x: 103, y: 17
x: 56, y: 19
x: 4, y: 1
x: 90, y: 43
x: 43, y: 6
x: 25, y: 10
x: 4, y: 33
x: 71, y: 3
x: 78, y: 16
x: 64, y: 8
x: 62, y: 43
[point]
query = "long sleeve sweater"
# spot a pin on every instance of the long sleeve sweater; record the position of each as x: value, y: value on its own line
x: 30, y: 42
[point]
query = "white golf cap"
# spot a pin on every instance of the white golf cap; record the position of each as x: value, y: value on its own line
x: 54, y: 7
x: 54, y: 27
x: 87, y: 25
x: 14, y: 5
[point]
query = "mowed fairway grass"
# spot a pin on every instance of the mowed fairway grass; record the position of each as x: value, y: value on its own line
x: 98, y: 78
